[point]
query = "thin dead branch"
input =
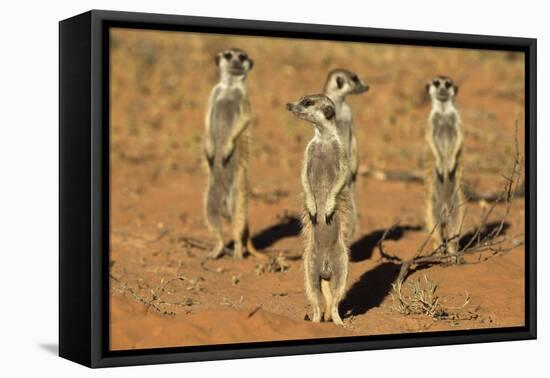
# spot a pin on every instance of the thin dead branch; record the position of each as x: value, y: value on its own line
x: 191, y: 242
x: 254, y: 311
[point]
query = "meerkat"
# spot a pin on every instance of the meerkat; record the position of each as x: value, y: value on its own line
x: 326, y: 213
x: 445, y: 139
x: 341, y: 83
x: 226, y: 152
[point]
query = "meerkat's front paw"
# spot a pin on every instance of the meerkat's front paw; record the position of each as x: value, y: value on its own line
x: 209, y: 159
x: 227, y: 152
x: 209, y: 153
x: 440, y: 174
x: 353, y: 176
x: 329, y: 210
x: 312, y: 211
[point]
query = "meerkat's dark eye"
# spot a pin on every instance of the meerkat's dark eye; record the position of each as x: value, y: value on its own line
x: 354, y: 78
x: 448, y: 84
x: 328, y: 111
x: 306, y: 102
x: 227, y: 55
x: 436, y: 83
x: 242, y: 57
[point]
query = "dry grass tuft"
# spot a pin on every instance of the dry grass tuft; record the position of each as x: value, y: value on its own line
x: 276, y: 264
x: 419, y: 297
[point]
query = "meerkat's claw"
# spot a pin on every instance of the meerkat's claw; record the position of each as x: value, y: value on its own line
x: 329, y: 211
x: 210, y: 160
x: 312, y: 217
x: 452, y: 165
x: 440, y: 175
x: 312, y: 210
x: 227, y: 152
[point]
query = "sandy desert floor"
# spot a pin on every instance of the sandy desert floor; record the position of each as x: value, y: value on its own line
x: 164, y: 292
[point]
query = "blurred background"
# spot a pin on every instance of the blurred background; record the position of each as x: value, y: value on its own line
x: 160, y: 82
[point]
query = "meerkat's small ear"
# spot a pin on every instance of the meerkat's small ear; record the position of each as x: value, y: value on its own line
x: 217, y: 58
x: 340, y: 82
x: 251, y: 63
x: 328, y: 111
x: 428, y: 87
x: 456, y: 89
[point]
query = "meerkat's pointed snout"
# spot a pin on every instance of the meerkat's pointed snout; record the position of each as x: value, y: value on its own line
x: 359, y: 85
x: 295, y: 108
x: 361, y: 88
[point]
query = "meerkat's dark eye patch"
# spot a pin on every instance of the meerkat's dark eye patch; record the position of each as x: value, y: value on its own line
x: 448, y: 84
x: 436, y: 83
x: 227, y: 55
x: 328, y: 111
x: 340, y: 82
x: 242, y: 57
x: 306, y: 103
x: 355, y: 79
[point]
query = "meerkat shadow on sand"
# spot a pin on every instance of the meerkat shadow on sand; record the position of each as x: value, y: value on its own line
x: 376, y: 282
x: 487, y: 230
x: 362, y: 248
x: 289, y: 226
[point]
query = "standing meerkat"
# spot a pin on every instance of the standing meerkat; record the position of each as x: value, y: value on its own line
x: 326, y: 215
x: 226, y: 152
x: 339, y: 84
x: 443, y: 175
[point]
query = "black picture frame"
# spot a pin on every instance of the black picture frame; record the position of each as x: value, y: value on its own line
x: 84, y: 187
